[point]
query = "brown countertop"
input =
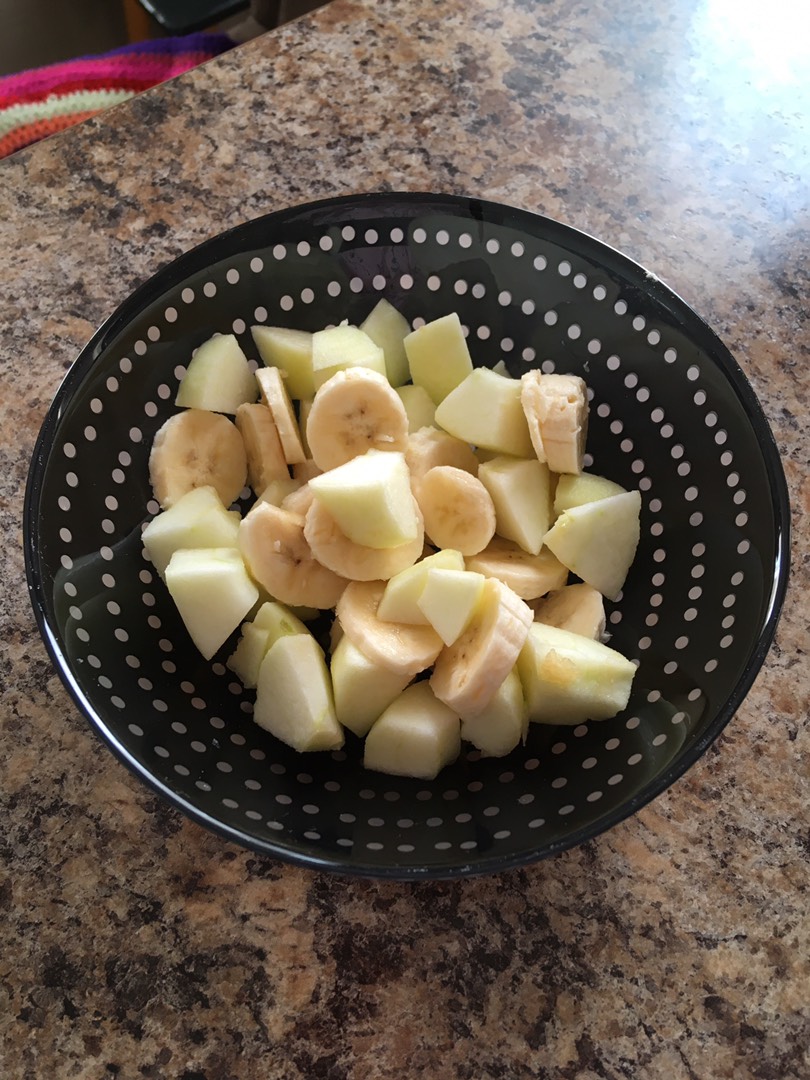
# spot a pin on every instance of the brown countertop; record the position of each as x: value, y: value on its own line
x: 133, y: 943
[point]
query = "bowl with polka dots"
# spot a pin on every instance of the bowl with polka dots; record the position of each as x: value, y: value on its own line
x: 672, y: 415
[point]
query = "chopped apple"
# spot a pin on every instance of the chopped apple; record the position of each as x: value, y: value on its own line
x: 419, y: 406
x: 503, y: 723
x: 294, y: 698
x: 197, y: 520
x: 438, y: 356
x: 246, y: 660
x: 363, y: 690
x: 213, y: 593
x: 218, y: 377
x: 587, y: 487
x: 342, y: 347
x: 568, y: 679
x: 449, y: 600
x: 485, y: 410
x: 578, y: 608
x: 370, y: 499
x: 598, y: 540
x: 399, y: 601
x: 290, y: 350
x: 278, y: 620
x: 388, y: 328
x: 278, y: 490
x: 521, y: 491
x: 416, y: 736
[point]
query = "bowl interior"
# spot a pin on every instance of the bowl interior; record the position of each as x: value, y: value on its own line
x: 671, y: 414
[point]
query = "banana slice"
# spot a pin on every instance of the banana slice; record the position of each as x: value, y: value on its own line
x: 406, y: 650
x: 274, y: 394
x: 468, y: 674
x: 278, y: 556
x: 305, y: 470
x: 355, y: 561
x: 265, y: 456
x: 355, y: 411
x: 193, y: 449
x: 299, y: 501
x: 578, y: 608
x: 556, y: 408
x: 429, y: 447
x: 527, y: 575
x: 457, y: 508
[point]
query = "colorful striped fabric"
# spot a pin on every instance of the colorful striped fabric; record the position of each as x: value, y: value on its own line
x: 38, y: 103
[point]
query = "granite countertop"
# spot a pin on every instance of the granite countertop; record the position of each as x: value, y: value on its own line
x: 135, y: 944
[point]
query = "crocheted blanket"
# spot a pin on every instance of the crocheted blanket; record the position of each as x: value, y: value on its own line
x: 41, y: 102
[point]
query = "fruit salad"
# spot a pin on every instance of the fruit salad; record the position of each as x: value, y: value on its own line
x: 434, y: 510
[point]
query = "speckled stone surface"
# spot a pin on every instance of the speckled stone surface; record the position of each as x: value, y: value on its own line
x: 133, y: 943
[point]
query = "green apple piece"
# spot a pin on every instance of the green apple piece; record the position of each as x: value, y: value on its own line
x: 247, y: 658
x: 587, y: 487
x: 567, y: 678
x: 419, y: 407
x: 501, y: 369
x: 278, y: 620
x: 342, y: 347
x: 597, y: 541
x: 438, y: 356
x: 504, y: 723
x: 291, y: 351
x: 370, y: 499
x: 449, y: 600
x: 218, y: 377
x: 485, y: 410
x: 578, y: 608
x: 399, y: 601
x: 294, y: 698
x: 388, y: 328
x: 417, y: 736
x: 213, y: 593
x: 520, y: 488
x: 363, y: 690
x: 197, y: 520
x: 278, y: 490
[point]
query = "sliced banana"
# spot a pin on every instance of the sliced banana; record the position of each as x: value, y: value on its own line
x: 527, y: 575
x: 299, y: 501
x: 355, y: 561
x: 556, y: 408
x: 457, y: 508
x: 469, y: 673
x: 429, y: 447
x: 278, y: 556
x: 193, y: 449
x: 578, y: 608
x: 265, y: 456
x: 355, y: 411
x: 274, y: 395
x: 406, y: 650
x: 305, y: 470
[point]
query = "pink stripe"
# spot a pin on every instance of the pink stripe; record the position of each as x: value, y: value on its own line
x: 148, y: 68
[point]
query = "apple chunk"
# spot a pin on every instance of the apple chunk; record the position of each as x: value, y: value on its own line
x: 587, y: 487
x: 197, y: 520
x: 388, y: 329
x: 419, y: 407
x: 218, y: 378
x: 291, y: 351
x: 521, y: 492
x: 363, y: 690
x: 294, y: 695
x: 449, y: 600
x: 370, y: 499
x: 213, y: 593
x: 567, y: 678
x: 598, y: 540
x: 438, y: 356
x: 416, y: 736
x: 399, y: 602
x: 342, y: 347
x: 503, y: 723
x: 485, y: 410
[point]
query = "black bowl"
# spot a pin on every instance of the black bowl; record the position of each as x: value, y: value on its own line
x: 672, y: 414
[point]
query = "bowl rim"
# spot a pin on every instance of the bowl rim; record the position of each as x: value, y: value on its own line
x: 633, y: 273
